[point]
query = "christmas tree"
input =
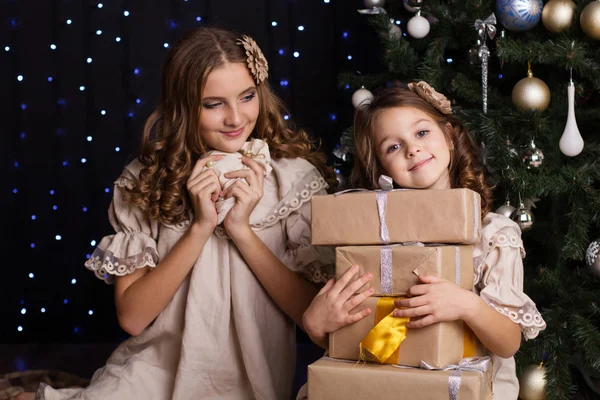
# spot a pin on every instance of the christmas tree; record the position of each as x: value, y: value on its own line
x: 525, y: 78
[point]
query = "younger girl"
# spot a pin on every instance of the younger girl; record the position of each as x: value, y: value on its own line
x: 410, y: 134
x: 211, y: 308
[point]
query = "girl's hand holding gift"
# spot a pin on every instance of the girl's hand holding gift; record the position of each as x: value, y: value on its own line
x: 247, y: 193
x: 204, y: 188
x: 330, y: 309
x: 435, y: 300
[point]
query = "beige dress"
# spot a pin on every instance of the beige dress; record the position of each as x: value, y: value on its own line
x: 221, y: 336
x: 498, y: 263
x: 498, y: 268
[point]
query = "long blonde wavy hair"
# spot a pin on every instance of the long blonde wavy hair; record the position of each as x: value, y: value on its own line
x: 466, y: 170
x: 171, y: 144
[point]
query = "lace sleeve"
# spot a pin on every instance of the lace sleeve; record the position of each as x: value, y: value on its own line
x: 315, y: 263
x: 132, y: 246
x: 499, y: 279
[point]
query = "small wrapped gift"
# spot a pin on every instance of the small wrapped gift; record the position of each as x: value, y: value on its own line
x: 396, y: 216
x: 381, y: 337
x: 330, y: 379
x: 395, y: 268
x: 256, y: 149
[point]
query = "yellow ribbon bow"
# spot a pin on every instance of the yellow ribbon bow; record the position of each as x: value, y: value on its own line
x: 382, y: 343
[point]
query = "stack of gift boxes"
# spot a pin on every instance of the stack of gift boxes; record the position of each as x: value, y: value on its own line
x: 396, y: 236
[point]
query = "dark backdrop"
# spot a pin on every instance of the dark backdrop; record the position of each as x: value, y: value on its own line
x: 77, y: 80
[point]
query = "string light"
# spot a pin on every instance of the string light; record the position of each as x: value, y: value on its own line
x: 86, y: 94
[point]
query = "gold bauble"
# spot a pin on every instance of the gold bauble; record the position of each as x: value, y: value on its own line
x: 533, y: 383
x: 531, y: 93
x: 558, y: 15
x: 590, y: 20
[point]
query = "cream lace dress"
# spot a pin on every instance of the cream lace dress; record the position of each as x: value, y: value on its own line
x: 221, y: 336
x: 498, y: 263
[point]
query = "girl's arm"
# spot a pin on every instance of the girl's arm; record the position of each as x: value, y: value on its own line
x: 142, y: 295
x: 437, y: 300
x: 495, y: 331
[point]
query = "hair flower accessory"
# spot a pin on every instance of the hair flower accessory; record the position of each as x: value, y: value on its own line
x: 427, y: 93
x: 257, y: 63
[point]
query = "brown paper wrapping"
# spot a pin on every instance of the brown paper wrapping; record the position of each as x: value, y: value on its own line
x: 407, y: 263
x: 441, y: 216
x: 439, y: 344
x: 334, y: 380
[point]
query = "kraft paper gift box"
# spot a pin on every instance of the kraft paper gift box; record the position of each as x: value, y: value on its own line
x: 395, y: 268
x: 339, y: 380
x: 439, y: 344
x: 397, y: 216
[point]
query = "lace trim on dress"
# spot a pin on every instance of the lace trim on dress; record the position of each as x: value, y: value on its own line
x: 126, y: 181
x: 317, y: 273
x: 105, y: 265
x: 531, y: 323
x: 300, y: 194
x: 498, y: 240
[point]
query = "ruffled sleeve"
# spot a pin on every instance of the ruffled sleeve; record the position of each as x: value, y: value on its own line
x: 133, y: 245
x: 499, y: 275
x: 301, y: 182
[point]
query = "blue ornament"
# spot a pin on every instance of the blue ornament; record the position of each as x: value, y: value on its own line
x: 519, y: 15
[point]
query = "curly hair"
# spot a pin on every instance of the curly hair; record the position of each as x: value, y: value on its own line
x: 466, y: 170
x: 171, y: 144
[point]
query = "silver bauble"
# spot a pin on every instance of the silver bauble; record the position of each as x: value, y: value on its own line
x: 506, y: 209
x: 341, y: 153
x: 592, y: 257
x: 523, y: 217
x: 412, y: 5
x: 532, y: 157
x: 341, y: 179
x: 374, y: 3
x: 473, y: 55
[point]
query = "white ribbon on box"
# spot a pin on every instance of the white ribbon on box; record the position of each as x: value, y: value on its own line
x: 387, y: 185
x: 471, y: 364
x: 386, y: 262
